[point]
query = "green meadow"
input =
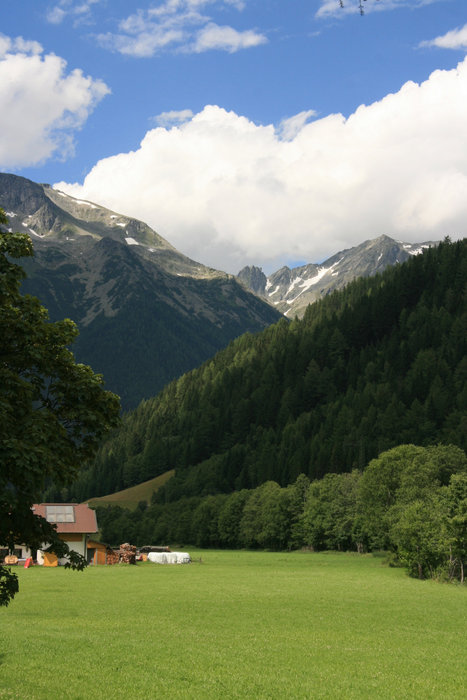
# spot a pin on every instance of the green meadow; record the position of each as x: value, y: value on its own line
x: 235, y: 625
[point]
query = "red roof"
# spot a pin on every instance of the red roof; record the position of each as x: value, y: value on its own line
x: 84, y: 518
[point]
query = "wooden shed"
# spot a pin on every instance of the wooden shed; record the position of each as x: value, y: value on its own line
x: 100, y: 553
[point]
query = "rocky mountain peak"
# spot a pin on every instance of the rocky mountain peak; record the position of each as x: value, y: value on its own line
x: 290, y: 290
x: 254, y: 279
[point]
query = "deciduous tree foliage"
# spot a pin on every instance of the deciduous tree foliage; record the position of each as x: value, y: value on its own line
x: 53, y: 411
x: 411, y: 501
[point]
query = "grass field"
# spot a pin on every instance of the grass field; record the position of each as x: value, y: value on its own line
x: 236, y: 625
x: 129, y: 498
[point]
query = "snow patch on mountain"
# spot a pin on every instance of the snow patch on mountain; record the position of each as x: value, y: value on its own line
x: 416, y: 251
x: 88, y: 204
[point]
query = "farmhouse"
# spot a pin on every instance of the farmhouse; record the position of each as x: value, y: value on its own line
x: 75, y: 522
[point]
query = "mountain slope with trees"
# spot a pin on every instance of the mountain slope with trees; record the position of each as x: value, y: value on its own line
x: 146, y: 313
x: 380, y: 363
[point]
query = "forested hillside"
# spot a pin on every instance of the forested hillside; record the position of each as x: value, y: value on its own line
x: 380, y: 363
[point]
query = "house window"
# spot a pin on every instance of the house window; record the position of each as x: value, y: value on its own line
x: 60, y: 514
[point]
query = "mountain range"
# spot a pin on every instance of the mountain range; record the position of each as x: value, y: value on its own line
x: 146, y: 313
x: 291, y: 290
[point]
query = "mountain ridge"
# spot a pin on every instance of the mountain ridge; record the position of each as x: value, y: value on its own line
x: 146, y: 313
x: 290, y: 290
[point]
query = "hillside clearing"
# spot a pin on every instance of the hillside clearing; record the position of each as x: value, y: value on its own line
x: 129, y: 498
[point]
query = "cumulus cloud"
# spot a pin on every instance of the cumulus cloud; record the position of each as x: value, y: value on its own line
x: 455, y: 39
x: 229, y: 192
x: 42, y: 104
x: 180, y: 25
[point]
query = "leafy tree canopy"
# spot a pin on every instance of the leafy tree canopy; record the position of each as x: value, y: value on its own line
x: 410, y: 501
x: 53, y: 411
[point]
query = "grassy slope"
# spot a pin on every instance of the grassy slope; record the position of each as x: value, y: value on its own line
x: 129, y: 498
x: 239, y: 625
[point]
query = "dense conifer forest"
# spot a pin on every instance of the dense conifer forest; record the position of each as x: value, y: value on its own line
x: 380, y: 363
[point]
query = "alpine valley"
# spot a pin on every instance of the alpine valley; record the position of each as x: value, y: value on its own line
x: 343, y: 426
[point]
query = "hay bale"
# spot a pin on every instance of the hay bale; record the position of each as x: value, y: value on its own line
x: 158, y: 557
x: 182, y: 557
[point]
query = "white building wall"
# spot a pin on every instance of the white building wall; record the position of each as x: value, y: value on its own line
x: 79, y: 547
x: 24, y: 551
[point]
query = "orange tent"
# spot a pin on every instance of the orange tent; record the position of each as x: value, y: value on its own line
x: 50, y: 559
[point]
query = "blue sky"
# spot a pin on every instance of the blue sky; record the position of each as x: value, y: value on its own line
x: 244, y: 131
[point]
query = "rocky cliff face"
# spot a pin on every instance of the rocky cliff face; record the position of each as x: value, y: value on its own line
x: 291, y: 290
x: 254, y: 278
x: 146, y: 313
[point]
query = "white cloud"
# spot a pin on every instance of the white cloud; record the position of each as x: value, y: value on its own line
x: 142, y: 45
x: 455, y: 39
x: 180, y: 25
x: 229, y: 192
x: 225, y: 38
x: 79, y: 10
x: 56, y: 15
x: 42, y: 104
x: 173, y: 117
